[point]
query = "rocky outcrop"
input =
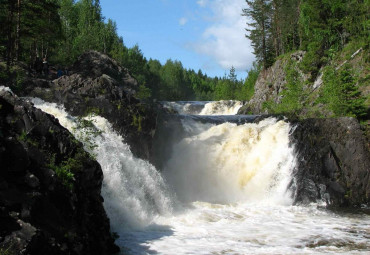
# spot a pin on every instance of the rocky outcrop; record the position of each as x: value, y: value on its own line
x: 98, y: 84
x: 270, y: 84
x: 333, y: 162
x: 50, y: 200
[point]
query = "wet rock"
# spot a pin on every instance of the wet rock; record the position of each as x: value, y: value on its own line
x: 333, y: 162
x: 31, y: 180
x: 38, y: 207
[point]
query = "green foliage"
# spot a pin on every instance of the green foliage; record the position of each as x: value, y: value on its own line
x: 143, y: 92
x: 260, y: 12
x: 23, y: 137
x: 247, y: 90
x: 136, y: 121
x: 341, y: 93
x: 64, y: 171
x: 292, y: 97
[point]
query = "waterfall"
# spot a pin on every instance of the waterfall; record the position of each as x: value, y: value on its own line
x: 133, y: 190
x: 223, y: 190
x: 230, y: 163
x: 223, y: 107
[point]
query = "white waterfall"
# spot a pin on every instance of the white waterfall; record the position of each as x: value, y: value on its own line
x: 133, y: 190
x: 230, y: 163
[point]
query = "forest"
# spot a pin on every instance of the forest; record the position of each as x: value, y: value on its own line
x: 61, y: 30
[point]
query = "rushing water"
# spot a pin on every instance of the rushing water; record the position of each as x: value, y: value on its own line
x: 224, y: 107
x: 223, y: 191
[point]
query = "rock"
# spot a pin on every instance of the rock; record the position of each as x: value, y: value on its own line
x: 37, y: 208
x: 31, y: 180
x: 333, y: 162
x: 99, y: 85
x: 270, y: 84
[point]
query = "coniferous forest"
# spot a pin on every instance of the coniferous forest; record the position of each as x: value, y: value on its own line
x: 328, y: 32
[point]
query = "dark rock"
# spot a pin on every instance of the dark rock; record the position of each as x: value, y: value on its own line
x: 333, y: 162
x: 31, y: 180
x: 98, y: 84
x: 38, y: 210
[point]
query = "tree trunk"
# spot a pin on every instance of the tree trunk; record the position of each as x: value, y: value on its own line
x: 264, y: 50
x: 18, y: 31
x: 9, y: 55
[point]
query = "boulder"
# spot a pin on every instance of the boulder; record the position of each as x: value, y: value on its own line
x: 42, y: 212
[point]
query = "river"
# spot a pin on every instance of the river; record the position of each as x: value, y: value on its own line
x: 223, y: 189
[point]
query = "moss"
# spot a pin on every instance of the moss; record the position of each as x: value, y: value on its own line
x: 137, y: 120
x: 119, y: 106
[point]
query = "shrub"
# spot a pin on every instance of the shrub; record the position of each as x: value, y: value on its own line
x: 341, y: 94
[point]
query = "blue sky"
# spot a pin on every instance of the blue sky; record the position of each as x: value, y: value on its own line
x: 202, y: 34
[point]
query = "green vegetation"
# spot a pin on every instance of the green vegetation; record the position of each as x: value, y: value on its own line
x: 61, y: 30
x: 136, y: 121
x: 247, y: 90
x: 330, y: 32
x: 66, y: 169
x: 341, y: 94
x: 293, y: 96
x: 24, y: 137
x: 63, y: 172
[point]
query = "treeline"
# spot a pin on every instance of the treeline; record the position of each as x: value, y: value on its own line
x: 319, y: 27
x: 61, y: 30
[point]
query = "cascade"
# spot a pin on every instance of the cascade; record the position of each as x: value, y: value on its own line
x: 133, y: 190
x: 223, y: 107
x: 222, y: 189
x: 233, y: 163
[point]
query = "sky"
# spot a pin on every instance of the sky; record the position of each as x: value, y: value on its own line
x: 202, y: 34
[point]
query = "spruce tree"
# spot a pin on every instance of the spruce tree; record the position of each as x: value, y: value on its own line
x: 260, y: 12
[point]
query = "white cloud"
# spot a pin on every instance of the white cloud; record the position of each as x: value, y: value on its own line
x: 183, y: 21
x: 202, y: 3
x: 224, y: 40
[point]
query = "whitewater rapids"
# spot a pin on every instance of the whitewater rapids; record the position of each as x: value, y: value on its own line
x: 224, y: 191
x: 223, y: 107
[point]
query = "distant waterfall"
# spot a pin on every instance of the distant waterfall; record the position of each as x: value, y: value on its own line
x: 223, y: 107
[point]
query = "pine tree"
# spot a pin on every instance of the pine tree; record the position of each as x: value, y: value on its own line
x: 260, y: 12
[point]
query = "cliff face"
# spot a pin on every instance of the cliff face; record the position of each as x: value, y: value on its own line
x: 50, y: 200
x: 270, y: 84
x: 333, y: 162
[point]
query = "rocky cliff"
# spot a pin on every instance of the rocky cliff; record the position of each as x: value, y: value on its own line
x: 50, y: 200
x: 333, y: 162
x: 271, y: 83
